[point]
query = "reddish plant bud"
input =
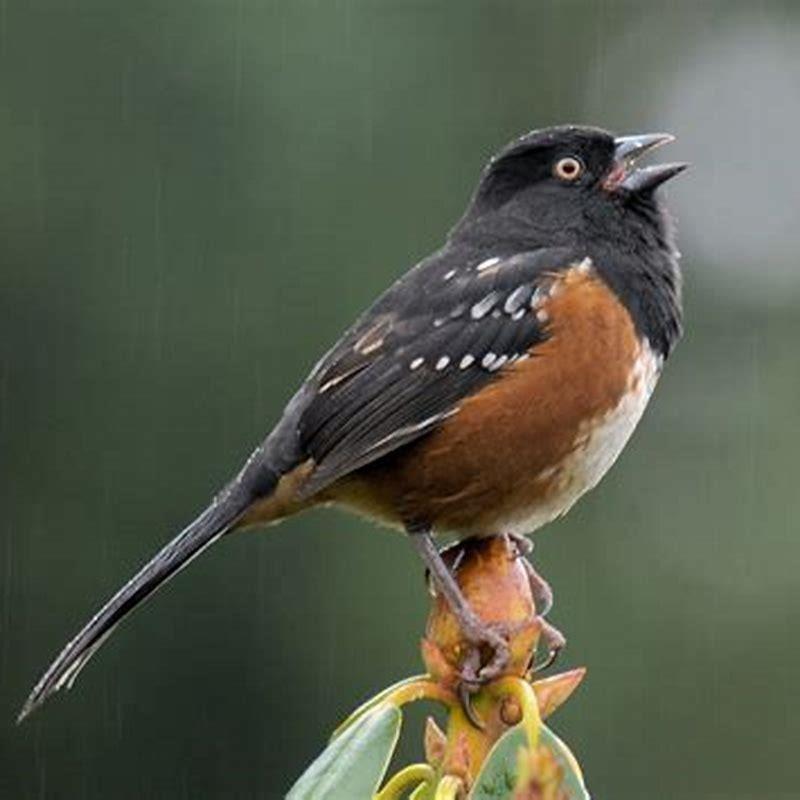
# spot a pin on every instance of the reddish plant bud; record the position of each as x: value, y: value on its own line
x: 495, y: 583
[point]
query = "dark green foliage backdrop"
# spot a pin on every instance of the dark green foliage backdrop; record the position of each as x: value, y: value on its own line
x: 195, y: 198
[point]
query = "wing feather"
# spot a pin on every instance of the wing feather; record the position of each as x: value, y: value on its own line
x: 407, y: 363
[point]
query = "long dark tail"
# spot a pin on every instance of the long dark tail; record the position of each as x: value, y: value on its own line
x: 213, y: 523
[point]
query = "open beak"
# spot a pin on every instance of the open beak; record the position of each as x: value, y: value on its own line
x: 627, y: 151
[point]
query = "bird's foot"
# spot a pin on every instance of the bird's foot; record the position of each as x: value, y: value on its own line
x: 486, y: 659
x: 485, y: 647
x: 540, y: 589
x: 554, y: 640
x: 488, y: 655
x: 551, y: 637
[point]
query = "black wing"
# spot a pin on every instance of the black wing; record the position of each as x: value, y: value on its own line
x: 435, y: 337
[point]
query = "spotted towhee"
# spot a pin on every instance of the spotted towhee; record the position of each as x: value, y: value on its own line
x: 487, y: 389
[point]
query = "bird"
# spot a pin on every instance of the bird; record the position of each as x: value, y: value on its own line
x: 485, y: 391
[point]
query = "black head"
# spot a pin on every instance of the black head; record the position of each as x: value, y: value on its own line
x: 570, y: 182
x: 580, y: 188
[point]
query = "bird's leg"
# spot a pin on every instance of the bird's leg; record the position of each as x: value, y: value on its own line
x: 478, y: 633
x: 552, y: 637
x: 540, y: 588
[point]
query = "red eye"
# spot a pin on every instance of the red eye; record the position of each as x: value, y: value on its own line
x: 568, y: 169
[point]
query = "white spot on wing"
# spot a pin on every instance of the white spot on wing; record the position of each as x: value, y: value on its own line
x: 516, y: 299
x: 371, y: 347
x: 498, y: 363
x: 467, y: 361
x: 483, y: 307
x: 487, y: 264
x: 442, y: 363
x: 332, y: 382
x: 417, y: 363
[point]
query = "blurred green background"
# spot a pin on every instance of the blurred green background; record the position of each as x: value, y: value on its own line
x: 196, y: 197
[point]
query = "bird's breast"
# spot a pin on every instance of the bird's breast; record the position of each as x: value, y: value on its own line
x: 595, y: 445
x: 525, y: 447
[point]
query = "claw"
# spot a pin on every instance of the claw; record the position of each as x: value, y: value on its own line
x: 473, y: 675
x: 555, y: 642
x: 469, y: 684
x: 498, y: 662
x: 548, y: 661
x: 465, y: 692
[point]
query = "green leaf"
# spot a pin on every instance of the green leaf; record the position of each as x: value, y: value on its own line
x: 498, y: 777
x: 573, y: 780
x: 353, y: 765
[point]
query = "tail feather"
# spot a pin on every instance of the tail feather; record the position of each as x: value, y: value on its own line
x: 213, y: 523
